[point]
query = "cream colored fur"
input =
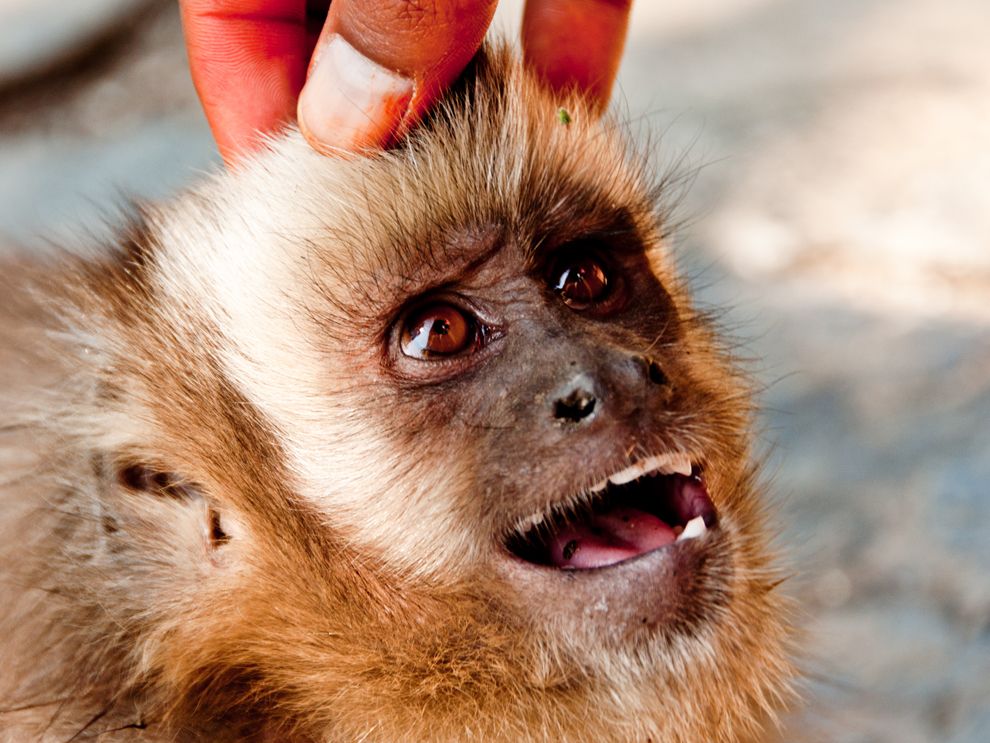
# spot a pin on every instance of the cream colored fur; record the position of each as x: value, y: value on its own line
x: 349, y: 597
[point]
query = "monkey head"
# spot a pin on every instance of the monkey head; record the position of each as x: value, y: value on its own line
x: 430, y: 444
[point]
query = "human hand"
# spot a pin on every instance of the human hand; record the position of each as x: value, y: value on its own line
x: 374, y: 66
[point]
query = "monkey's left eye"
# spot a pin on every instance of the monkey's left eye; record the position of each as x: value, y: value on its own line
x: 438, y: 330
x: 580, y: 281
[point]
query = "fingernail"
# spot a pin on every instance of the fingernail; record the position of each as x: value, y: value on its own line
x: 350, y: 102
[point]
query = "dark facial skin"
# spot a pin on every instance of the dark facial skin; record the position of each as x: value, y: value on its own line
x: 548, y: 376
x: 553, y: 366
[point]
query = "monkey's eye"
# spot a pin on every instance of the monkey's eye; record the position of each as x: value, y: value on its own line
x: 580, y: 281
x: 438, y: 330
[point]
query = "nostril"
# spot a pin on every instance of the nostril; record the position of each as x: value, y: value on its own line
x: 655, y: 373
x: 575, y: 407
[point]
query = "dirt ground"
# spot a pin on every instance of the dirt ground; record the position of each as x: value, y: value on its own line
x: 839, y: 159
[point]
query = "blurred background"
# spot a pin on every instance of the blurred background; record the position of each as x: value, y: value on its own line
x: 838, y: 154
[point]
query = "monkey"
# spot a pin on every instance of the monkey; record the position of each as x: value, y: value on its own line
x: 426, y: 444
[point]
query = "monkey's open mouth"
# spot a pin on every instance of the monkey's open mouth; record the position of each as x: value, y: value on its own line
x: 648, y: 506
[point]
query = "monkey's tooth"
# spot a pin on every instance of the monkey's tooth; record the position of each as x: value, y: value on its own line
x: 627, y: 475
x: 693, y: 528
x: 681, y: 464
x: 655, y: 464
x: 599, y: 486
x: 531, y: 522
x: 665, y: 464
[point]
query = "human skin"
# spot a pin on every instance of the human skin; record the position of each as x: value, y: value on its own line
x: 356, y: 74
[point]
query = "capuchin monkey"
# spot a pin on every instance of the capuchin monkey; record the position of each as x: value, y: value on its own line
x: 423, y: 445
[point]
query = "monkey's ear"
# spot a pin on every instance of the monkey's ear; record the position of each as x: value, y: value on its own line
x: 148, y: 498
x: 144, y: 478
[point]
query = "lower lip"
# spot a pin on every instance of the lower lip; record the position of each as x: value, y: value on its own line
x: 625, y: 524
x: 712, y: 534
x: 679, y: 586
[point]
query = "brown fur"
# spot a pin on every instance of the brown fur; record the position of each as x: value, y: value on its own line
x: 317, y: 565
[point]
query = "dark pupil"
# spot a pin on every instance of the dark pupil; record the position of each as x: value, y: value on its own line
x: 441, y: 337
x: 440, y: 330
x: 439, y: 327
x: 581, y: 284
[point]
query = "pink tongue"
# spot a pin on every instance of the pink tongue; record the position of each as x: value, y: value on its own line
x: 608, y: 538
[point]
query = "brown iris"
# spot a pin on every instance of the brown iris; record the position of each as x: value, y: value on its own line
x: 437, y: 330
x: 581, y: 282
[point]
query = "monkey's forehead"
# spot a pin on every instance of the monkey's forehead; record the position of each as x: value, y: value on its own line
x: 411, y: 212
x: 496, y: 165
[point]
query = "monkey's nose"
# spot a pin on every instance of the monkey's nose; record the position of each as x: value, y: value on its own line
x: 575, y: 401
x: 653, y: 371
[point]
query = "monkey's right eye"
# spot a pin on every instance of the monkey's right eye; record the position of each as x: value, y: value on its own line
x: 438, y: 330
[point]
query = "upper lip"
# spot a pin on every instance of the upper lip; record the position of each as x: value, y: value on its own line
x: 669, y: 463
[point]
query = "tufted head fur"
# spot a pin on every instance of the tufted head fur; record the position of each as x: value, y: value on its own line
x: 237, y: 503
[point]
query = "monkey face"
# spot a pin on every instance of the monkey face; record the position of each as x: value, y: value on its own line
x: 556, y: 375
x: 428, y: 445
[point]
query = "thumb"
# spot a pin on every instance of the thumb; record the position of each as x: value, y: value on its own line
x: 378, y: 66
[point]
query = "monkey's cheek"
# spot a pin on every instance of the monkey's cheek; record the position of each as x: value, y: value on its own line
x: 680, y: 590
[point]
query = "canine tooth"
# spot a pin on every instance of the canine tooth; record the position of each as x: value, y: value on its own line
x: 666, y: 464
x: 627, y: 475
x: 669, y: 464
x: 599, y: 486
x: 681, y: 464
x: 694, y: 528
x: 652, y: 464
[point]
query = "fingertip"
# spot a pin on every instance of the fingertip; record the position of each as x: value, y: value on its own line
x: 248, y: 65
x: 380, y: 64
x: 350, y: 102
x: 576, y: 44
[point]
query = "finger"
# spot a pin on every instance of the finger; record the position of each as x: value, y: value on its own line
x: 248, y: 61
x: 576, y: 43
x: 379, y: 64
